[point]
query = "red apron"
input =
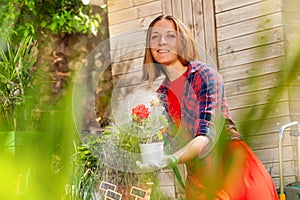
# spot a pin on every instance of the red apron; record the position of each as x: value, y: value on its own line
x: 229, y: 172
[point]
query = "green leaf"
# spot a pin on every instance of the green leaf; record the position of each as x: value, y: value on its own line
x: 43, y: 24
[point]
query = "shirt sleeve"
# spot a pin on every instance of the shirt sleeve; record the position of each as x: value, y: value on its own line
x: 210, y: 96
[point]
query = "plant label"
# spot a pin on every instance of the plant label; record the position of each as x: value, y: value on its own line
x: 112, y: 195
x: 137, y: 192
x: 105, y: 186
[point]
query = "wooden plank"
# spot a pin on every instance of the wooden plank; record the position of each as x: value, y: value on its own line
x: 169, y: 191
x: 271, y: 161
x: 291, y: 6
x: 255, y: 98
x: 180, y: 193
x: 130, y: 79
x: 288, y: 166
x: 187, y: 14
x: 133, y: 13
x: 295, y: 108
x: 128, y: 53
x: 142, y: 2
x: 210, y: 32
x: 250, y: 26
x: 251, y: 55
x: 289, y: 169
x: 257, y: 112
x: 120, y: 92
x: 248, y: 12
x: 223, y: 5
x: 294, y: 93
x: 149, y: 9
x: 166, y: 180
x: 291, y: 20
x: 198, y: 18
x: 167, y: 7
x: 115, y: 5
x: 177, y: 9
x: 166, y: 175
x: 252, y: 84
x: 292, y: 37
x: 118, y: 29
x: 268, y: 141
x: 287, y: 179
x: 129, y: 26
x: 292, y: 40
x: 123, y: 15
x: 261, y: 126
x: 253, y: 69
x: 267, y: 155
x: 128, y: 39
x: 293, y: 70
x: 249, y: 41
x: 127, y: 66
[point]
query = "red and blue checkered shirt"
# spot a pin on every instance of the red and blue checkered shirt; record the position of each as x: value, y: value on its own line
x: 204, y: 108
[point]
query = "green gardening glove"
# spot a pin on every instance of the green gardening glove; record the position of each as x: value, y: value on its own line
x: 169, y: 162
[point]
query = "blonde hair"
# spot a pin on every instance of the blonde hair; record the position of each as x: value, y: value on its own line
x: 187, y: 50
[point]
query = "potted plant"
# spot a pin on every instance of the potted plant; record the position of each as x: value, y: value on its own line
x: 149, y: 124
x: 144, y: 126
x: 143, y: 134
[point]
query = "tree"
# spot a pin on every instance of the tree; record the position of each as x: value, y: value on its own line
x: 20, y: 18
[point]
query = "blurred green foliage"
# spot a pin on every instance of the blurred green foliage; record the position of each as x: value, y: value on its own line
x: 38, y: 158
x: 41, y: 156
x: 39, y: 167
x: 16, y: 77
x: 21, y: 18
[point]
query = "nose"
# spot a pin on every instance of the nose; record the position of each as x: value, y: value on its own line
x: 162, y: 40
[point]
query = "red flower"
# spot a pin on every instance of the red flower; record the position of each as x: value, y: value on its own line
x: 141, y: 112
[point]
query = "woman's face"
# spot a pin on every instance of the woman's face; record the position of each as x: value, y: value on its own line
x: 163, y: 42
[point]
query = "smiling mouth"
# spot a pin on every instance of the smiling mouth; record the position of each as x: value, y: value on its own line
x: 163, y: 50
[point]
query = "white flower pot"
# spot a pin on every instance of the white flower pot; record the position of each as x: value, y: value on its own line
x: 152, y: 152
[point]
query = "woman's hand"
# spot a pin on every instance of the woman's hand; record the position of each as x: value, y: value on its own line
x: 192, y: 149
x: 168, y: 162
x: 185, y: 154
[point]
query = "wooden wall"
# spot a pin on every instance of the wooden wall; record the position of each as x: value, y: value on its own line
x: 247, y: 40
x: 198, y: 15
x: 128, y: 21
x: 127, y: 26
x: 291, y: 27
x: 252, y: 42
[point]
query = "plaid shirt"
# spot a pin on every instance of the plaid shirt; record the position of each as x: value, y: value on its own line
x: 203, y: 105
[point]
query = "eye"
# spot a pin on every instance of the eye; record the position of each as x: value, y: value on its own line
x: 153, y: 37
x: 171, y: 36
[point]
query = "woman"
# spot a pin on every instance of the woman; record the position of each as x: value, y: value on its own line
x: 219, y: 163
